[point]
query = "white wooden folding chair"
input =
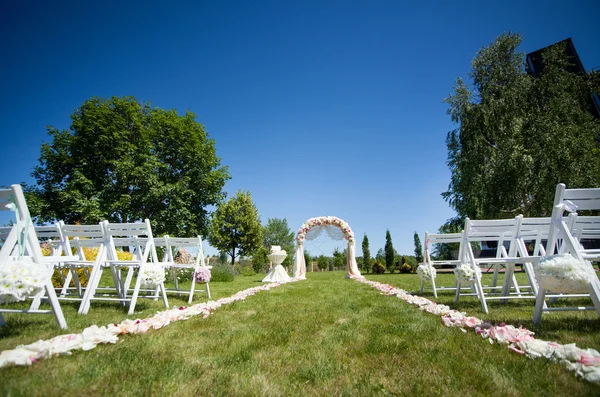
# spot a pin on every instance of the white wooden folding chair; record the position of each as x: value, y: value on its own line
x: 59, y: 259
x: 126, y: 235
x: 171, y: 246
x: 561, y: 240
x: 432, y: 239
x: 504, y: 232
x: 75, y: 239
x: 23, y: 241
x: 586, y: 230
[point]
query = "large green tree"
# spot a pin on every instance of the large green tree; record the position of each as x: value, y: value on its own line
x: 277, y: 232
x: 418, y: 248
x: 235, y: 227
x: 367, y: 260
x: 124, y: 161
x: 518, y: 136
x: 389, y: 251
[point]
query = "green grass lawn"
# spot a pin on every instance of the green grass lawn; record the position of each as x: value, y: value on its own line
x: 324, y: 336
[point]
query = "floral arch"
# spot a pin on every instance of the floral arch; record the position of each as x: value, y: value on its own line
x: 337, y: 229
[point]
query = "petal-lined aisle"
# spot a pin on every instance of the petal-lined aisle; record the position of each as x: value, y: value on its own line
x: 584, y: 362
x: 94, y: 335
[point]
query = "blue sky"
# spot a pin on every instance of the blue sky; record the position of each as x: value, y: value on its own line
x: 317, y: 107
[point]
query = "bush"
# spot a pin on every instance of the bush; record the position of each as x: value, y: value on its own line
x: 406, y: 268
x: 378, y: 267
x: 222, y: 273
x: 237, y: 269
x: 248, y: 271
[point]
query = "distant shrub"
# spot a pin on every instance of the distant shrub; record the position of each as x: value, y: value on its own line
x: 237, y: 269
x: 378, y: 267
x: 406, y: 268
x: 222, y: 273
x: 248, y: 271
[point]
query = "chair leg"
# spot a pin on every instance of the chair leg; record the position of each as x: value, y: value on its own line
x: 76, y: 281
x: 594, y: 289
x: 193, y: 289
x: 434, y: 288
x: 66, y: 282
x: 539, y: 306
x: 480, y: 294
x: 136, y: 292
x: 208, y: 290
x: 422, y: 287
x: 175, y: 281
x: 58, y: 313
x: 509, y: 282
x: 164, y: 295
x: 457, y: 293
x: 90, y: 291
x: 495, y: 278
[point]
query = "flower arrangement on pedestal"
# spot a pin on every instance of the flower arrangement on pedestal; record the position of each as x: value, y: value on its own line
x: 467, y: 274
x: 152, y: 276
x: 563, y: 274
x: 426, y: 272
x: 325, y: 221
x: 21, y: 279
x: 202, y: 275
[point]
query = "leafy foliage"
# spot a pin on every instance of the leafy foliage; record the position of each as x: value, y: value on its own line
x: 389, y: 251
x: 307, y: 259
x: 339, y: 260
x: 418, y: 248
x: 260, y: 259
x: 322, y: 262
x: 124, y: 161
x: 221, y: 273
x: 367, y: 260
x: 445, y: 251
x: 235, y: 228
x: 519, y: 136
x: 378, y: 267
x: 277, y: 232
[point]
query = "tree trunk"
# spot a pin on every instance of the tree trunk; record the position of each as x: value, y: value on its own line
x: 232, y: 257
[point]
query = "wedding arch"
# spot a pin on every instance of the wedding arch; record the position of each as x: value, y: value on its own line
x: 337, y: 229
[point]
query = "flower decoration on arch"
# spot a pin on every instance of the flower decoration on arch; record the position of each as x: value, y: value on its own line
x: 325, y: 221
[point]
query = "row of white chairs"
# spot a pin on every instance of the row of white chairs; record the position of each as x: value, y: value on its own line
x: 68, y: 245
x: 524, y: 241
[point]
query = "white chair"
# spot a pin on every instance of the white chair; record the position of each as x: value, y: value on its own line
x: 171, y: 246
x: 76, y: 238
x: 504, y: 232
x: 126, y: 235
x: 586, y: 230
x: 432, y: 239
x: 22, y: 242
x: 561, y: 240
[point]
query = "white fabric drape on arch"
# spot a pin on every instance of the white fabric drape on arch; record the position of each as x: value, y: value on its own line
x: 335, y: 233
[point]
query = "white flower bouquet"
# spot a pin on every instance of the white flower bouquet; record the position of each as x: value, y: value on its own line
x: 466, y: 274
x: 563, y: 274
x: 426, y: 272
x: 152, y: 276
x: 21, y: 279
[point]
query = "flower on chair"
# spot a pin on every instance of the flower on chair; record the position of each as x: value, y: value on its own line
x: 21, y: 279
x: 152, y: 276
x: 563, y: 274
x: 202, y: 275
x: 426, y: 273
x: 466, y: 274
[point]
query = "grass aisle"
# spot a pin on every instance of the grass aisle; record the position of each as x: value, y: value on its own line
x: 324, y: 336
